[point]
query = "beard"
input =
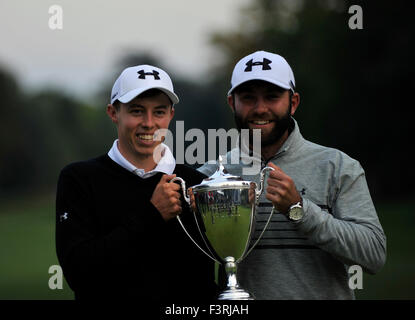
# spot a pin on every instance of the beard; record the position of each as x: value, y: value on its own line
x: 281, y: 125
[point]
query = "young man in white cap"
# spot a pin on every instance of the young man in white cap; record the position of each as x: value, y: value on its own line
x: 325, y: 220
x: 116, y: 232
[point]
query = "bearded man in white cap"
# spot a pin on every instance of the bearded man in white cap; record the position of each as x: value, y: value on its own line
x: 325, y: 219
x: 116, y: 232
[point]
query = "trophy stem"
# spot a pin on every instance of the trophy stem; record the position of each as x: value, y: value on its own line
x: 233, y: 291
x: 230, y: 269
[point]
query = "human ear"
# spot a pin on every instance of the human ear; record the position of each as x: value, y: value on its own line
x: 231, y: 102
x: 112, y: 113
x: 295, y: 101
x: 171, y: 113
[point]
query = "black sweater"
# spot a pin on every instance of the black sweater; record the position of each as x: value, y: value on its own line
x: 112, y: 243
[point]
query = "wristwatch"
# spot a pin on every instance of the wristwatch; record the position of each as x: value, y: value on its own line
x: 295, y: 213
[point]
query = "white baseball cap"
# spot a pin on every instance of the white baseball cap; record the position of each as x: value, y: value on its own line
x: 266, y: 66
x: 133, y: 81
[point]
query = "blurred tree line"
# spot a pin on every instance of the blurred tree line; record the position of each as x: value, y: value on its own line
x: 41, y: 132
x: 353, y: 83
x: 353, y: 86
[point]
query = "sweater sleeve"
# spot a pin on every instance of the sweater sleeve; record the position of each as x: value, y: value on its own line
x: 85, y: 255
x: 353, y: 233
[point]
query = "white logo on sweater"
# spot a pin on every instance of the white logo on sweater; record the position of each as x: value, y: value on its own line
x: 63, y: 217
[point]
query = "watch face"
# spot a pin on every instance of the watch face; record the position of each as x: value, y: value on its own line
x: 296, y: 213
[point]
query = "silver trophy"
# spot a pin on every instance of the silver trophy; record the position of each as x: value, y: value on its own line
x: 225, y: 217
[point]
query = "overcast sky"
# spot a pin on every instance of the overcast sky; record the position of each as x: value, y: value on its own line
x: 96, y: 33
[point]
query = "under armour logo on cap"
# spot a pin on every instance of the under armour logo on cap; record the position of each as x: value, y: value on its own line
x: 265, y: 64
x: 143, y: 74
x: 135, y: 80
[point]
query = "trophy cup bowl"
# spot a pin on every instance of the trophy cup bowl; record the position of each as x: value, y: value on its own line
x: 225, y: 216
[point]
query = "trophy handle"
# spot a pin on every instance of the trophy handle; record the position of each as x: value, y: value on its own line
x: 183, y: 184
x: 187, y: 198
x: 261, y: 183
x: 258, y: 194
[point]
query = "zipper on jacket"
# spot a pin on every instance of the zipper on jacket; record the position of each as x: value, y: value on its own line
x: 278, y: 155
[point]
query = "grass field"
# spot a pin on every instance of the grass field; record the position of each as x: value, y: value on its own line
x: 27, y: 250
x: 27, y: 247
x: 396, y: 280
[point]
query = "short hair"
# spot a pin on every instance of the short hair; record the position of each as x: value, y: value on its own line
x: 116, y: 105
x: 145, y: 94
x: 240, y: 88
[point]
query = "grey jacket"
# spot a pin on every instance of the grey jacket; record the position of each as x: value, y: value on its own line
x: 310, y: 259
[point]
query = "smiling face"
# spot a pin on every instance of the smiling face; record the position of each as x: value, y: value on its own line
x: 137, y: 123
x: 261, y: 105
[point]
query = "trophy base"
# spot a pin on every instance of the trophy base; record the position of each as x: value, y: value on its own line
x: 235, y: 294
